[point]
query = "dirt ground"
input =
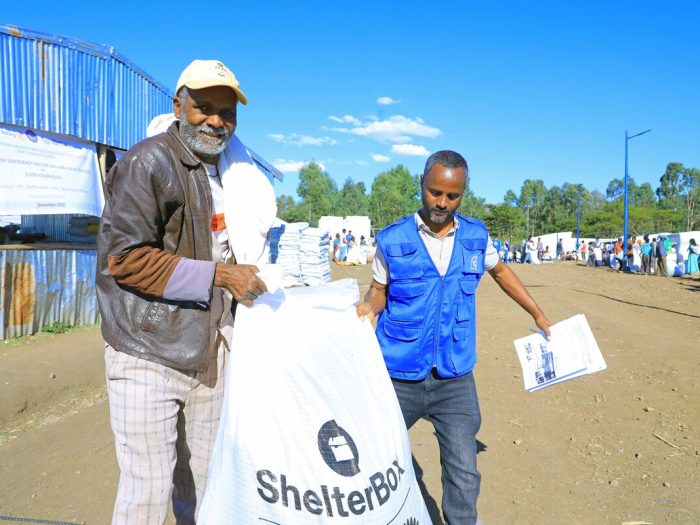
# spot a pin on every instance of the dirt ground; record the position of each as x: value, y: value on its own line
x: 619, y: 446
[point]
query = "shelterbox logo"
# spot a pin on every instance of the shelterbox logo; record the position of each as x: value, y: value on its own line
x: 340, y: 453
x: 338, y: 449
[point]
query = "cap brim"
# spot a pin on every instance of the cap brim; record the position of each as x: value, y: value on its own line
x: 208, y: 83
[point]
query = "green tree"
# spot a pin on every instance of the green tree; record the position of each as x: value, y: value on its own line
x: 531, y: 201
x: 352, y: 199
x: 510, y: 198
x: 561, y: 206
x: 679, y: 190
x: 472, y: 205
x: 504, y: 222
x: 641, y: 220
x: 669, y: 190
x: 317, y: 191
x: 615, y: 189
x: 595, y: 201
x: 668, y: 220
x: 604, y: 222
x: 636, y: 194
x: 690, y: 191
x: 394, y: 194
x: 644, y: 196
x: 286, y: 208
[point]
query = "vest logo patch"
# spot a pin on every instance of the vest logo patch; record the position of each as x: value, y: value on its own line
x: 474, y: 262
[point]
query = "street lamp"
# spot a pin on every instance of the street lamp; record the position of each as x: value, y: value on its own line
x: 578, y: 216
x: 627, y: 181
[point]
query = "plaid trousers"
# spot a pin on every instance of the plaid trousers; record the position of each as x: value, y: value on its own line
x: 164, y: 422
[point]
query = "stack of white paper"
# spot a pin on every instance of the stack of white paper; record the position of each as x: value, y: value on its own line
x: 572, y: 352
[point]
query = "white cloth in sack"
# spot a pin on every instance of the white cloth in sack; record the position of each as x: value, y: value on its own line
x: 311, y: 430
x: 249, y: 198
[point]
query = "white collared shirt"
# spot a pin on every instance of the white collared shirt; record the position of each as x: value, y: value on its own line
x: 218, y: 221
x: 439, y: 249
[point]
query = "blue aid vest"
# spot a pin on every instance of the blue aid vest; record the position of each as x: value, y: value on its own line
x: 429, y: 320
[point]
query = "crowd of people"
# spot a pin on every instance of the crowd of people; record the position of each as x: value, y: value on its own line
x: 346, y: 248
x: 528, y: 251
x: 643, y: 254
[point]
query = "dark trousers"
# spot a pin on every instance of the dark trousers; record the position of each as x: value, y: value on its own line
x: 661, y: 266
x: 452, y: 406
x: 646, y: 263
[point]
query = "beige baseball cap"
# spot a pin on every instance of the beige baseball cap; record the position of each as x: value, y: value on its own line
x: 208, y: 73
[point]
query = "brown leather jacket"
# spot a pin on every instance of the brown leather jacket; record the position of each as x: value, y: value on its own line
x: 157, y: 211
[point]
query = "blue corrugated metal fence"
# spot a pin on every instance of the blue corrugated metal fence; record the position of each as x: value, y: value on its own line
x: 66, y: 86
x: 40, y: 287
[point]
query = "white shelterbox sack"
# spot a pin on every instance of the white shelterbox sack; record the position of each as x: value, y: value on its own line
x: 311, y: 430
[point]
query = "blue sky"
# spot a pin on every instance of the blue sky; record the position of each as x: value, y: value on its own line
x: 540, y: 90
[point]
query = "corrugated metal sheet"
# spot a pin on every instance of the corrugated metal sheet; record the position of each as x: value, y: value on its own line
x: 39, y: 287
x: 55, y: 227
x: 66, y: 86
x: 268, y: 169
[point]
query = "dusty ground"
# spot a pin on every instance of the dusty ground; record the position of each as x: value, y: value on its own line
x: 622, y: 445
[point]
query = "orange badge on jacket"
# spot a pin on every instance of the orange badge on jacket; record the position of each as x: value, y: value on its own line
x: 218, y: 223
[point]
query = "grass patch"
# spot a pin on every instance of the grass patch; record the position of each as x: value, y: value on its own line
x: 29, y: 339
x: 57, y: 327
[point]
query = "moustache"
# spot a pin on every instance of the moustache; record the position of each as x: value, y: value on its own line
x: 221, y: 132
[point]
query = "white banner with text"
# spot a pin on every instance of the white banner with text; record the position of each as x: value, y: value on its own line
x: 44, y: 174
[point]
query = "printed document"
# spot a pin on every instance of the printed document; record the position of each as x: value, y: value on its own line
x: 572, y: 352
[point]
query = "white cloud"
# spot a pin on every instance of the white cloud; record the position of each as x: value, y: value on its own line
x: 361, y: 162
x: 398, y: 129
x: 410, y: 149
x: 293, y: 166
x: 376, y: 157
x: 386, y: 101
x: 345, y: 119
x: 302, y: 140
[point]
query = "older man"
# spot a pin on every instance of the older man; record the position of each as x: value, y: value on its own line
x: 167, y: 287
x: 425, y: 274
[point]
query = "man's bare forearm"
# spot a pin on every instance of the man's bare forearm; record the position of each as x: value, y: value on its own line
x: 375, y: 301
x: 514, y: 288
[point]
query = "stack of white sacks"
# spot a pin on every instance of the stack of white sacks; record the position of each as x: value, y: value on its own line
x: 313, y: 256
x: 288, y: 253
x: 275, y: 234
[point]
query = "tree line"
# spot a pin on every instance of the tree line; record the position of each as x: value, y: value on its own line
x: 673, y: 206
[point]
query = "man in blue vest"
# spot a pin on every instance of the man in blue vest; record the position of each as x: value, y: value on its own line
x: 425, y: 273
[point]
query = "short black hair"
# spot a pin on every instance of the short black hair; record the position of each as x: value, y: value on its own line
x: 449, y: 159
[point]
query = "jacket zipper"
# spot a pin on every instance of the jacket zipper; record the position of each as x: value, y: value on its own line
x: 437, y: 320
x: 208, y: 198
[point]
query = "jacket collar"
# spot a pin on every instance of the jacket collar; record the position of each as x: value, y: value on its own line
x: 421, y: 226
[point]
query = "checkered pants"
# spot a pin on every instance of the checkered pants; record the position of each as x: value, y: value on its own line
x: 164, y: 423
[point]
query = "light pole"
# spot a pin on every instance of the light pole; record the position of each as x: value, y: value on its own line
x: 578, y: 216
x: 627, y: 181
